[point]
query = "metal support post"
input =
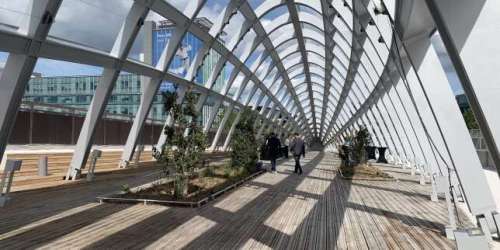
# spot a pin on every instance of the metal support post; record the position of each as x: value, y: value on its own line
x: 138, y: 154
x: 96, y: 154
x: 18, y: 68
x: 465, y: 82
x: 43, y: 167
x: 121, y: 48
x: 8, y: 175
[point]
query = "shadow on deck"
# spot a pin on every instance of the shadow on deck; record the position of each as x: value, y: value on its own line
x: 315, y: 210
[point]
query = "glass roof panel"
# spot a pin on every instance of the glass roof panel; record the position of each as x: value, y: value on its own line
x: 222, y: 59
x: 232, y: 28
x: 282, y: 34
x: 245, y: 44
x: 79, y: 27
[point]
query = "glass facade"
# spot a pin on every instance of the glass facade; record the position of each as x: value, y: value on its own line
x: 77, y: 92
x: 190, y: 45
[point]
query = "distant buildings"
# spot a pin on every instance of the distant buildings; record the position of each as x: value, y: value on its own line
x: 477, y: 137
x: 463, y: 104
x: 77, y: 91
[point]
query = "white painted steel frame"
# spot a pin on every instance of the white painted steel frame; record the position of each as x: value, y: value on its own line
x: 368, y: 92
x: 54, y: 49
x: 19, y: 66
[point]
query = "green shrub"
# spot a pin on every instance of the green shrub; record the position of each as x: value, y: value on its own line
x: 125, y: 188
x: 227, y: 172
x: 360, y: 141
x: 185, y: 140
x: 244, y: 144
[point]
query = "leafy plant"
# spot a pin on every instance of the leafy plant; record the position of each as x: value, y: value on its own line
x: 185, y: 141
x: 349, y: 140
x: 207, y: 172
x: 227, y: 172
x: 125, y: 188
x: 470, y: 120
x: 244, y: 144
x: 360, y: 141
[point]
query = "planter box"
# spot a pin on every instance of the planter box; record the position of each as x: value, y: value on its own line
x: 355, y: 178
x: 114, y: 197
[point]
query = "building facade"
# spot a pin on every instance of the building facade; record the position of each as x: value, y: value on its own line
x: 77, y: 91
x: 157, y: 37
x: 462, y: 102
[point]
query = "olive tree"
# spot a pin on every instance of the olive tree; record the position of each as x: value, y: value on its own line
x: 185, y: 141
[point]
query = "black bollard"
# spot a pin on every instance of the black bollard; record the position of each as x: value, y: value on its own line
x: 381, y: 155
x: 370, y: 152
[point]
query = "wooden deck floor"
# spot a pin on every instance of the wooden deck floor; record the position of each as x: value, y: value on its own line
x: 317, y: 210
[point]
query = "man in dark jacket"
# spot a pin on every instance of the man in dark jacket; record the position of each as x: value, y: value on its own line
x: 274, y: 150
x: 297, y: 148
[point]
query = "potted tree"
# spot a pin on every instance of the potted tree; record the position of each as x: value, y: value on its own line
x: 357, y: 156
x: 245, y: 152
x: 362, y: 139
x: 185, y: 141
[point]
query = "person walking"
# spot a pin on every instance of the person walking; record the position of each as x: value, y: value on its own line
x: 297, y: 148
x: 274, y: 150
x: 286, y: 147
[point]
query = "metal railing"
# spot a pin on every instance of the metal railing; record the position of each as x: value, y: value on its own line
x: 481, y: 149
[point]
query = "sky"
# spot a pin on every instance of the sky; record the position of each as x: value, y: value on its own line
x: 445, y: 60
x: 96, y: 23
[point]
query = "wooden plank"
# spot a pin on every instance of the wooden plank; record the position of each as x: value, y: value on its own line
x: 317, y: 210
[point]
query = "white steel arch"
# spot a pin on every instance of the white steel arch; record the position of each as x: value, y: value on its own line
x: 325, y: 67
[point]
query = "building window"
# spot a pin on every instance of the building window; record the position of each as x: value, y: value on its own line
x: 52, y: 99
x: 124, y: 84
x: 51, y: 87
x: 81, y: 98
x: 93, y: 83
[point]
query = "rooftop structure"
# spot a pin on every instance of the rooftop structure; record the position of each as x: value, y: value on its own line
x: 324, y: 69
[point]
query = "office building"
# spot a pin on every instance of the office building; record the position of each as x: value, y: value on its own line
x: 77, y: 91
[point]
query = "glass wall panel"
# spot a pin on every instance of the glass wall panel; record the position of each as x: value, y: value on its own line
x: 246, y: 92
x: 235, y: 85
x: 220, y: 112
